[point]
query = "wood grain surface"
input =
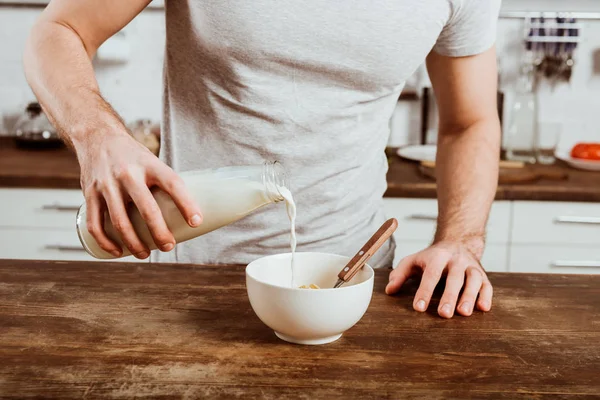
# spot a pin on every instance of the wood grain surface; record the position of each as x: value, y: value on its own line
x: 119, y: 330
x: 58, y: 169
x: 405, y: 180
x: 37, y: 168
x: 511, y: 175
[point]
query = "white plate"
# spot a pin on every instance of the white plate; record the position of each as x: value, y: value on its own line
x: 418, y: 153
x: 588, y: 165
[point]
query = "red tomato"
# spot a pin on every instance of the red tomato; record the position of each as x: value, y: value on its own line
x: 586, y: 151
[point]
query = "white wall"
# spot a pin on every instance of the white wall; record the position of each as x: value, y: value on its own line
x: 576, y: 107
x: 134, y: 88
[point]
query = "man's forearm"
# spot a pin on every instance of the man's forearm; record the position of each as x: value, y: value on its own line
x: 467, y: 178
x: 60, y: 72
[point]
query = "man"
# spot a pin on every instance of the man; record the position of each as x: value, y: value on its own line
x: 312, y: 84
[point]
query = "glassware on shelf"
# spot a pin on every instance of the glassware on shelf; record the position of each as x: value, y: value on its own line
x: 522, y: 128
x: 548, y: 136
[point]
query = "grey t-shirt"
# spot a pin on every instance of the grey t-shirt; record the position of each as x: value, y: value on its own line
x: 312, y: 84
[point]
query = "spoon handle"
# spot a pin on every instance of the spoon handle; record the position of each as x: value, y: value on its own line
x: 367, y: 251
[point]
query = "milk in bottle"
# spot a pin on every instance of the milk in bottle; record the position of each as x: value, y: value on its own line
x: 224, y: 196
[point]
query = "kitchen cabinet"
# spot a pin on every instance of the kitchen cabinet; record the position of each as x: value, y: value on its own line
x: 39, y: 208
x: 417, y: 222
x: 522, y: 236
x: 552, y: 237
x: 551, y: 258
x: 42, y: 244
x: 39, y: 224
x: 559, y: 223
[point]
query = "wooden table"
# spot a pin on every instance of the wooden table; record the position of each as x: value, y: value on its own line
x: 118, y: 330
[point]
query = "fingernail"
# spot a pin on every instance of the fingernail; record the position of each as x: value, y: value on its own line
x: 142, y: 254
x: 421, y: 305
x: 116, y: 253
x: 167, y: 247
x: 446, y: 309
x: 195, y: 220
x: 465, y: 307
x: 388, y: 286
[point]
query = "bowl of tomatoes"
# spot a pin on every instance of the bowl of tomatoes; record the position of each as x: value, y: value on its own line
x: 584, y: 156
x: 586, y: 151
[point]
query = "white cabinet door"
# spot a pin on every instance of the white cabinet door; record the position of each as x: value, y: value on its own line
x: 560, y: 223
x: 44, y: 244
x: 495, y: 257
x: 417, y: 219
x: 40, y: 224
x: 39, y: 208
x: 555, y: 259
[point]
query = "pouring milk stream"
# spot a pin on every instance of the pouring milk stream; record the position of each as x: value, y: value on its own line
x: 227, y: 194
x: 290, y: 206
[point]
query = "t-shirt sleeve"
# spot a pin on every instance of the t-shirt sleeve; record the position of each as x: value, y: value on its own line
x: 471, y: 28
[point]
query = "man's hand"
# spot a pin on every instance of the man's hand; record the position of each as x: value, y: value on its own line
x: 462, y: 270
x: 116, y: 169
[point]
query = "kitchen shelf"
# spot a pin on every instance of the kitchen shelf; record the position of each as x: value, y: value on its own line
x: 580, y: 15
x: 157, y: 4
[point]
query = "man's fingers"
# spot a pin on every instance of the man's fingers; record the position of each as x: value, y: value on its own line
x: 152, y: 216
x: 95, y: 224
x: 174, y: 186
x: 432, y: 273
x: 399, y: 275
x: 454, y: 282
x: 467, y: 300
x: 122, y: 224
x: 485, y: 296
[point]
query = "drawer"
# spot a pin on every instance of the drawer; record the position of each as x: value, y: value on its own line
x: 560, y: 223
x: 495, y: 257
x: 39, y: 208
x: 554, y: 259
x: 417, y: 219
x: 44, y: 244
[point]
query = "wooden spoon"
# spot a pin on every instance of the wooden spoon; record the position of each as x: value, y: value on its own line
x: 367, y: 251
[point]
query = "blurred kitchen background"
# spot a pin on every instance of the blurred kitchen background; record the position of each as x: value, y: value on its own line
x: 129, y: 71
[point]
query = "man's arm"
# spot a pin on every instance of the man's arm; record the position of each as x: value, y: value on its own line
x: 468, y: 145
x: 115, y: 169
x: 58, y: 63
x: 467, y: 176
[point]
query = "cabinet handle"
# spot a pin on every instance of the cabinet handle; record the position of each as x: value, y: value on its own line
x: 60, y: 247
x: 423, y: 217
x: 575, y: 264
x: 577, y: 220
x: 59, y: 207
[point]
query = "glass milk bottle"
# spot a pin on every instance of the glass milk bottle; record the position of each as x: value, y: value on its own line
x: 224, y: 196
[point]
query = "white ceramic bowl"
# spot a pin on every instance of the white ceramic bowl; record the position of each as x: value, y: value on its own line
x: 307, y: 316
